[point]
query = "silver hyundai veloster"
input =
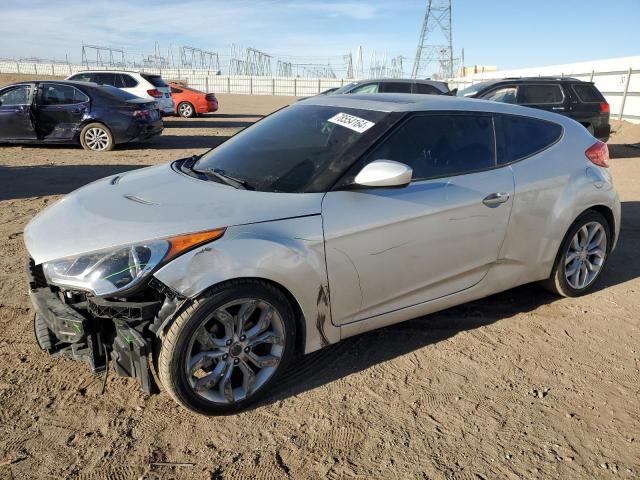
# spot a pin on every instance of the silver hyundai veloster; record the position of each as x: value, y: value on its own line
x: 329, y: 218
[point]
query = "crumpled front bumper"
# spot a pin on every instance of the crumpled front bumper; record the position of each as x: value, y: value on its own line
x: 93, y: 329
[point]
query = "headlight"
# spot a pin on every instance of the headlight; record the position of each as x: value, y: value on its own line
x: 107, y: 272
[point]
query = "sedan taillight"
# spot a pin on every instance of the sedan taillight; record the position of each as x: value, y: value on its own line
x: 142, y: 114
x: 604, y: 107
x: 598, y: 153
x: 155, y: 93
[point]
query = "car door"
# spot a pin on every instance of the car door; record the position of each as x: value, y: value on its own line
x: 544, y: 96
x: 17, y: 121
x: 391, y: 248
x: 60, y: 110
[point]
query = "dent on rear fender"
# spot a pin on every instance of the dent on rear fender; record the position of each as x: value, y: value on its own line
x: 288, y: 252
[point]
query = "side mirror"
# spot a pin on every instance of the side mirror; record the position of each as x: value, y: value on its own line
x: 384, y: 173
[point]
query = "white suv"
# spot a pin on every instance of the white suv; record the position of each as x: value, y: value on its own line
x: 143, y: 85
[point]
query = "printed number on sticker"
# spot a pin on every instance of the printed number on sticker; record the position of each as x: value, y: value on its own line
x: 356, y: 124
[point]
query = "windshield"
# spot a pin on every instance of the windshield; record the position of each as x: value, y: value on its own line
x: 301, y: 148
x: 471, y: 90
x: 345, y: 88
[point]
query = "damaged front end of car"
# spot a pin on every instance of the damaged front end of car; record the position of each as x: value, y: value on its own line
x: 106, y: 306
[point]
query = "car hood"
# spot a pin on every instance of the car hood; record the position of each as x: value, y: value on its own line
x: 151, y: 203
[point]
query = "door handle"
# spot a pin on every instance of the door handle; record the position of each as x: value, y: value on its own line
x: 557, y: 108
x: 495, y: 199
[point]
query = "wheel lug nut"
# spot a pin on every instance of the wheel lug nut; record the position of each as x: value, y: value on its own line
x: 243, y: 338
x: 225, y: 356
x: 228, y: 342
x: 236, y: 361
x: 246, y: 349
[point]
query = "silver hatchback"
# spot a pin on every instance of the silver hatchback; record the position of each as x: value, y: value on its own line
x: 329, y: 218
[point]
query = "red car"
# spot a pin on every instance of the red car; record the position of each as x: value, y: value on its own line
x: 190, y: 102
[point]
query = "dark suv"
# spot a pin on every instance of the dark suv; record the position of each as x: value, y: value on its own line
x: 395, y: 85
x: 568, y: 96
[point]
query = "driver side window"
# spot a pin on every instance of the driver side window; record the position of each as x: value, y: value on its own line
x: 366, y: 88
x: 19, y: 95
x: 504, y: 95
x: 441, y: 145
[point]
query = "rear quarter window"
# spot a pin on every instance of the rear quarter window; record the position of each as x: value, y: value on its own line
x: 520, y: 137
x: 540, y: 94
x: 155, y: 80
x: 587, y: 93
x: 423, y: 88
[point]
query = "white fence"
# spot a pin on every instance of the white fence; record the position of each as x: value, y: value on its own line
x: 207, y: 81
x: 617, y: 79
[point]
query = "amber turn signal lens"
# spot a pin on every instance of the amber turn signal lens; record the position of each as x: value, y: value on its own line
x: 184, y: 242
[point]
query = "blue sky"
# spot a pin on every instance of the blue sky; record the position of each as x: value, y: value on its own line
x: 506, y: 33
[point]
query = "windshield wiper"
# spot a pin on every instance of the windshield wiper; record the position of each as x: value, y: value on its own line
x: 225, y: 178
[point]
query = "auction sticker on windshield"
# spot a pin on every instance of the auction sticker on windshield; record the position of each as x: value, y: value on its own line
x: 352, y: 122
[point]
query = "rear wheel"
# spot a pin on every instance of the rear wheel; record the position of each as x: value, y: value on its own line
x: 96, y: 137
x: 225, y: 350
x: 186, y: 110
x: 582, y: 256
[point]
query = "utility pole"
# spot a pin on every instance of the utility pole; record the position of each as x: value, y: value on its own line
x: 436, y: 41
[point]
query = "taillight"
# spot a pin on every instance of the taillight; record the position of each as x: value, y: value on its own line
x: 604, y: 107
x: 598, y: 153
x: 155, y: 93
x: 141, y: 114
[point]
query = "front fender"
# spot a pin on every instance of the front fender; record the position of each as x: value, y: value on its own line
x: 288, y: 252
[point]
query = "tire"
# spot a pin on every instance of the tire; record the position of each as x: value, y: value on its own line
x: 219, y: 381
x: 186, y: 110
x: 561, y: 282
x: 96, y: 137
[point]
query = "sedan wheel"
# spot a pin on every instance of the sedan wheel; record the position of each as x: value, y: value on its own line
x: 185, y: 109
x: 224, y: 350
x: 96, y: 137
x: 582, y: 257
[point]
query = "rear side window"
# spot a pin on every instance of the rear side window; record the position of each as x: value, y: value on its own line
x: 587, y: 93
x: 128, y: 81
x: 519, y: 137
x: 540, y: 94
x: 423, y: 88
x: 62, y: 95
x: 440, y: 145
x: 395, y: 87
x: 175, y: 90
x: 155, y: 80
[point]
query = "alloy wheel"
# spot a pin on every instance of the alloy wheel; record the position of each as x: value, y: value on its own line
x: 585, y: 256
x: 185, y: 110
x: 96, y: 138
x: 235, y: 350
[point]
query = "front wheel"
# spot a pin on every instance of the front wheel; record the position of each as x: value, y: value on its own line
x: 226, y: 348
x: 582, y: 256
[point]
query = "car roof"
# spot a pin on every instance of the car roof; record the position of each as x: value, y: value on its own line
x: 117, y: 71
x: 408, y: 102
x: 76, y: 83
x: 517, y: 80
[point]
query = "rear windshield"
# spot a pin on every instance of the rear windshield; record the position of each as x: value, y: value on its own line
x: 155, y: 80
x: 116, y: 92
x: 587, y: 93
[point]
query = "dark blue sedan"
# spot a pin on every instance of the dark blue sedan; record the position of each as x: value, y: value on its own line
x: 97, y: 117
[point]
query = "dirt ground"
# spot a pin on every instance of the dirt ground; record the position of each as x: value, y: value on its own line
x: 518, y: 385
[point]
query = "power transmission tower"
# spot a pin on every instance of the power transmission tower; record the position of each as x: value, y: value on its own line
x: 436, y: 41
